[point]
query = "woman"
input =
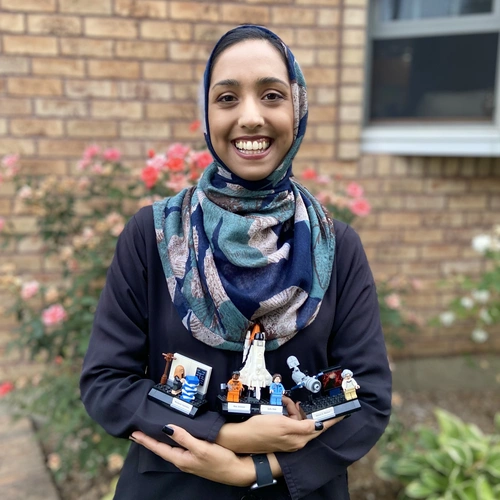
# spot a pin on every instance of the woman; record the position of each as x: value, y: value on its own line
x: 193, y: 273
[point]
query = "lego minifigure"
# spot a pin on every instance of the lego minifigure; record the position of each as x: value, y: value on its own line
x: 179, y: 373
x: 276, y: 389
x: 349, y: 385
x: 234, y: 388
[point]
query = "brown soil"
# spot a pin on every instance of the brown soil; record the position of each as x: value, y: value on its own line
x: 413, y: 408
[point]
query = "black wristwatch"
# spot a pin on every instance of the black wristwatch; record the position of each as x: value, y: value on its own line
x: 263, y: 471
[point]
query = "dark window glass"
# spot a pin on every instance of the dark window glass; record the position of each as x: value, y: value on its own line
x: 397, y: 10
x: 439, y: 77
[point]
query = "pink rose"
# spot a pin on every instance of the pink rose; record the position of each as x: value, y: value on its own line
x: 5, y: 388
x: 29, y: 289
x: 91, y: 151
x: 360, y: 207
x: 54, y: 315
x: 202, y: 159
x: 149, y: 176
x: 177, y: 182
x: 194, y: 126
x: 157, y: 162
x: 25, y: 193
x: 112, y: 154
x: 393, y: 301
x: 97, y: 168
x: 309, y: 174
x: 83, y: 164
x: 178, y: 150
x: 354, y: 190
x: 2, y: 224
x: 10, y: 161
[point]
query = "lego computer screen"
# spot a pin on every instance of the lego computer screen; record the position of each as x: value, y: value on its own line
x: 331, y: 379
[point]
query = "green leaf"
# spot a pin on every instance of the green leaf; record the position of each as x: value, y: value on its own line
x: 450, y: 425
x: 484, y: 491
x: 416, y: 489
x: 435, y: 481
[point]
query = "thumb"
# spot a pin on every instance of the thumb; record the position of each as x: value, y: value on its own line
x: 180, y: 436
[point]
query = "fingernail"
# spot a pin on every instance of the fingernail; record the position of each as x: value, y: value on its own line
x: 168, y: 430
x: 318, y: 426
x: 132, y: 438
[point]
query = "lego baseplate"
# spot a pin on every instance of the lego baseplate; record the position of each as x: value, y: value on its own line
x: 162, y: 394
x: 327, y: 407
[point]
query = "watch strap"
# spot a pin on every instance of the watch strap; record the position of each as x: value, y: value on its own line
x: 263, y: 472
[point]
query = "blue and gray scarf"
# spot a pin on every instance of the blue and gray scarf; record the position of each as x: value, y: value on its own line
x: 237, y: 252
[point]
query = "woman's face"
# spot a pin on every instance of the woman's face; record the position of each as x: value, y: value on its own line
x: 250, y: 109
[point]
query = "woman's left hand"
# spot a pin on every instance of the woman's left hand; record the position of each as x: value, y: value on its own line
x: 201, y: 458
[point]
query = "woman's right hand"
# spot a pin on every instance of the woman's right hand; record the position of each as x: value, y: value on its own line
x: 272, y: 433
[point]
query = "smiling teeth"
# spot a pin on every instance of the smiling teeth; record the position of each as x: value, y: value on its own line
x: 252, y: 146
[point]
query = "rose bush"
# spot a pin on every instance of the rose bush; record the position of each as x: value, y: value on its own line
x: 478, y: 300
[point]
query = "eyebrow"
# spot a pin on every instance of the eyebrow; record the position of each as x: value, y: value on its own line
x: 266, y: 80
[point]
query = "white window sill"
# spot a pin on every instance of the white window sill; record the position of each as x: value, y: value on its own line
x: 432, y: 140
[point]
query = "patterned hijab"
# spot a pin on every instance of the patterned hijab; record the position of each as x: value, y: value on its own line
x: 237, y: 252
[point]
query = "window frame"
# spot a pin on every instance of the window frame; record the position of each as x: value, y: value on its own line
x: 446, y: 138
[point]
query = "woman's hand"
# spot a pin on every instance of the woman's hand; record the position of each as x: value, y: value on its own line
x: 201, y: 458
x: 272, y: 433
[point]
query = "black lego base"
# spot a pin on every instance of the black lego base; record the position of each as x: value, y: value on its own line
x: 248, y: 407
x: 326, y: 407
x: 162, y: 394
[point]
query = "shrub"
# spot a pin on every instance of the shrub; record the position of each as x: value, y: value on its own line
x: 457, y: 462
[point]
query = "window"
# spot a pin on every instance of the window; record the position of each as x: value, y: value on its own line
x: 433, y: 78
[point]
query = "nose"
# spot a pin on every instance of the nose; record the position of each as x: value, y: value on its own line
x: 251, y: 115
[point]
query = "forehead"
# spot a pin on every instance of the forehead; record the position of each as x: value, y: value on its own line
x: 251, y: 59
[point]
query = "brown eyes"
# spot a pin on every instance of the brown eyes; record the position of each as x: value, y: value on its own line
x: 270, y: 96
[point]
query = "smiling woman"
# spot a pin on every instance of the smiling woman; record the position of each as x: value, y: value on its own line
x: 247, y: 247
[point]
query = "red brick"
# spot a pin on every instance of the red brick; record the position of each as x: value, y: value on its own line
x: 116, y: 109
x: 349, y: 132
x: 86, y: 47
x: 144, y: 8
x: 191, y: 11
x: 305, y: 57
x: 166, y: 30
x: 426, y: 202
x: 325, y: 132
x: 30, y: 5
x: 443, y: 219
x: 311, y: 3
x: 403, y: 185
x: 3, y: 126
x: 146, y: 129
x: 349, y: 150
x: 15, y: 106
x: 36, y: 45
x: 93, y: 129
x: 467, y: 202
x: 170, y: 110
x: 141, y: 50
x: 168, y: 71
x: 59, y: 66
x: 90, y: 88
x: 33, y: 127
x: 353, y: 56
x: 316, y: 151
x: 293, y: 16
x: 114, y: 69
x: 110, y: 28
x: 237, y: 13
x: 54, y: 25
x: 34, y: 86
x: 85, y: 6
x: 446, y: 186
x: 327, y: 57
x: 11, y: 23
x: 13, y: 65
x: 189, y: 52
x: 60, y: 107
x: 396, y: 254
x: 21, y: 146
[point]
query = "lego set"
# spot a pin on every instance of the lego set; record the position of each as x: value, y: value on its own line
x: 328, y: 394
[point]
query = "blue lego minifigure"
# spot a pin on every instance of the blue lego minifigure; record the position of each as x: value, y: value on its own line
x: 276, y: 389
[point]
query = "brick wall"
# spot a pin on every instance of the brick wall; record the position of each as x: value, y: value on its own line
x: 125, y: 73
